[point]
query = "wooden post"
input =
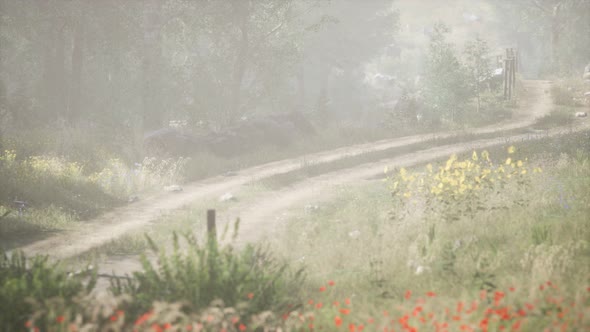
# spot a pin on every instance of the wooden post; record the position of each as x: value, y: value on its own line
x: 211, y: 227
x: 212, y: 255
x: 505, y: 76
x: 513, y: 73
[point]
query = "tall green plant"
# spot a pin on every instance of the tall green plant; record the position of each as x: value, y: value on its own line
x: 446, y: 88
x: 478, y: 66
x: 199, y: 274
x: 23, y: 281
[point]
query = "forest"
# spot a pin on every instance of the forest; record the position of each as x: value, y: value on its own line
x: 294, y: 165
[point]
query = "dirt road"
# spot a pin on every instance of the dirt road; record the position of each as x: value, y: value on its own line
x: 97, y: 232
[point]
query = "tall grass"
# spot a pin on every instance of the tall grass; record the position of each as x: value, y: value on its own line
x: 522, y: 232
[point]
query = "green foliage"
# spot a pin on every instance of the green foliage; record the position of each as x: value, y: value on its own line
x: 559, y: 116
x: 478, y: 66
x: 460, y: 188
x: 200, y: 274
x: 540, y: 234
x: 24, y: 281
x: 446, y: 80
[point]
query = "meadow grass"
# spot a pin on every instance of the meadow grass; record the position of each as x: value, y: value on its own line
x: 535, y: 241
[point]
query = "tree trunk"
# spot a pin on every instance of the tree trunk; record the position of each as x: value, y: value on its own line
x: 240, y: 63
x: 150, y: 116
x: 75, y: 104
x: 555, y: 33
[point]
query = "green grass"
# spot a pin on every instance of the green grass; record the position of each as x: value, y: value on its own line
x: 375, y: 259
x: 559, y: 116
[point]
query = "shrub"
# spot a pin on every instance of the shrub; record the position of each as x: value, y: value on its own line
x: 561, y: 116
x: 460, y: 188
x: 24, y: 281
x: 199, y: 275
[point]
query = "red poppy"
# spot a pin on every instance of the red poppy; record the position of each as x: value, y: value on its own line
x: 60, y: 319
x: 337, y: 321
x: 408, y: 294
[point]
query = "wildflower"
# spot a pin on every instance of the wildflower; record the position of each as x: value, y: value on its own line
x: 143, y: 318
x: 113, y: 318
x: 337, y: 321
x: 250, y: 296
x: 28, y: 324
x: 242, y: 327
x: 508, y: 161
x: 498, y: 296
x: 167, y: 326
x: 408, y: 294
x: 156, y: 327
x: 430, y: 294
x: 310, y: 302
x: 336, y: 303
x: 235, y: 320
x: 511, y: 149
x: 351, y: 327
x: 459, y: 307
x: 60, y: 319
x: 331, y: 283
x: 474, y: 156
x: 345, y: 311
x: 189, y: 327
x: 347, y: 301
x: 319, y: 305
x: 322, y: 289
x: 483, y: 294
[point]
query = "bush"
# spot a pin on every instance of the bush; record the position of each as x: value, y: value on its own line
x: 460, y: 188
x: 198, y: 275
x: 561, y: 116
x: 23, y: 282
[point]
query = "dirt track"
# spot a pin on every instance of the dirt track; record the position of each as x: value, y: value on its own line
x: 258, y: 215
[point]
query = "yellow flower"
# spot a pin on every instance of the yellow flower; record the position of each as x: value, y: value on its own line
x: 485, y: 155
x: 474, y: 156
x: 511, y: 149
x: 519, y: 163
x: 508, y: 161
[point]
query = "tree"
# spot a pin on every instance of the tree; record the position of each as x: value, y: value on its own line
x: 560, y: 27
x: 478, y: 65
x: 446, y: 90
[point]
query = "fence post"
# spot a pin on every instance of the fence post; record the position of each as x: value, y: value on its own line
x: 211, y: 227
x: 212, y: 254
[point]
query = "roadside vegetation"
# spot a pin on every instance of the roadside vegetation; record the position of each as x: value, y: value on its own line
x: 364, y: 262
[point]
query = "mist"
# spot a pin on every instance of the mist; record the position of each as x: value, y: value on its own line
x: 211, y: 164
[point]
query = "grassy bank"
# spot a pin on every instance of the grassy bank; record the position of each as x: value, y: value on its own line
x: 525, y: 233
